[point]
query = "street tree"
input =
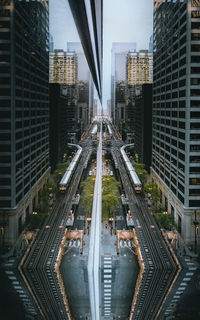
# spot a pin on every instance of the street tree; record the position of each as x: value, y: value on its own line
x: 165, y: 220
x: 48, y: 189
x: 141, y: 171
x: 110, y: 196
x: 88, y: 193
x: 60, y: 171
x: 152, y: 189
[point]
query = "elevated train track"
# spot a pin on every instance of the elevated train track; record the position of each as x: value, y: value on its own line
x: 39, y: 266
x: 159, y: 266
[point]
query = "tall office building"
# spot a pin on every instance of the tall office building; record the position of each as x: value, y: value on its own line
x: 62, y: 67
x: 139, y: 71
x: 51, y: 43
x: 59, y: 121
x: 143, y: 125
x: 24, y: 124
x: 85, y: 85
x: 118, y: 69
x: 139, y: 67
x: 63, y: 70
x: 176, y: 115
x: 83, y: 71
x: 151, y: 44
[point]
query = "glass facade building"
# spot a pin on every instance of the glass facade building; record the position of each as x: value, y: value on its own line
x: 176, y: 115
x: 24, y: 122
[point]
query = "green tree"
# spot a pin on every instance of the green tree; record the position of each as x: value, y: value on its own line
x: 49, y: 188
x: 88, y: 193
x: 34, y: 221
x: 110, y: 196
x: 141, y: 172
x: 151, y: 187
x: 165, y: 220
x: 60, y: 170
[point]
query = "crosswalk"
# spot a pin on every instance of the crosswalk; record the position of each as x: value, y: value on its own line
x: 107, y: 285
x: 190, y: 269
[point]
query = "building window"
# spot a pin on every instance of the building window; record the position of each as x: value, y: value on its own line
x: 195, y: 147
x: 194, y: 169
x: 195, y: 92
x: 195, y: 48
x: 194, y: 203
x: 195, y: 125
x: 195, y: 159
x: 195, y: 36
x: 195, y: 70
x: 194, y: 181
x: 195, y: 25
x: 194, y: 192
x: 195, y: 81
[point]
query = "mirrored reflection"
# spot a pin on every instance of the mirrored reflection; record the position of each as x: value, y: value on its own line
x: 51, y: 89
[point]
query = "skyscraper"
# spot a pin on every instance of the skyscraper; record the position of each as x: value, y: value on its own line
x: 85, y: 85
x: 176, y: 116
x: 24, y: 127
x: 62, y: 67
x: 118, y: 68
x: 143, y: 125
x: 139, y: 67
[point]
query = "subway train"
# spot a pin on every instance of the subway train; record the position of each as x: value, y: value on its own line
x: 109, y: 130
x: 131, y: 171
x: 64, y: 182
x: 94, y: 129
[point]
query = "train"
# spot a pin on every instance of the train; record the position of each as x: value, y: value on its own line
x: 109, y: 130
x: 94, y: 129
x: 64, y: 182
x: 131, y: 171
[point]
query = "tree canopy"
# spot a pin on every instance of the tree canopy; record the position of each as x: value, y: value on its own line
x: 141, y: 171
x: 151, y: 187
x: 88, y: 193
x: 60, y: 170
x: 165, y: 220
x: 110, y: 195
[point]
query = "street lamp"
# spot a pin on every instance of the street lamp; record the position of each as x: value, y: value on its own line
x: 196, y: 229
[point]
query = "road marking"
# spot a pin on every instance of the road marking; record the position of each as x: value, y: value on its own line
x: 189, y: 273
x: 107, y: 270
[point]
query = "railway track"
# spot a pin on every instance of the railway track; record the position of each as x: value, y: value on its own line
x: 159, y: 266
x: 39, y: 266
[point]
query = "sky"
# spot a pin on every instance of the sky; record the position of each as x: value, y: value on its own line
x: 123, y: 21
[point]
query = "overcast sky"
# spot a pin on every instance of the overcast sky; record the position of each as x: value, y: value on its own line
x: 124, y: 21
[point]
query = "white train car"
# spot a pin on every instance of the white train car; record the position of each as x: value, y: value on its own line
x: 64, y: 182
x: 94, y: 129
x: 109, y: 130
x: 131, y: 171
